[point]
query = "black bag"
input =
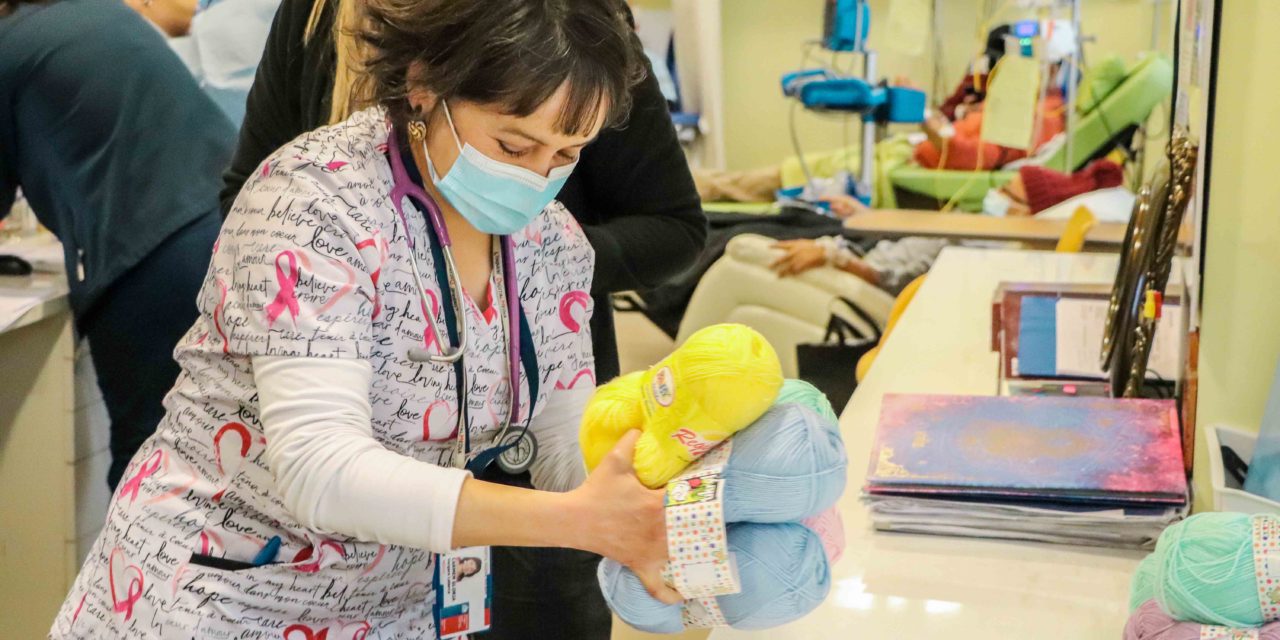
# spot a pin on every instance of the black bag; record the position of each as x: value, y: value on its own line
x: 832, y: 364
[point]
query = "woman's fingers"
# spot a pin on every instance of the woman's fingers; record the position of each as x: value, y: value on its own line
x: 651, y: 578
x: 621, y: 458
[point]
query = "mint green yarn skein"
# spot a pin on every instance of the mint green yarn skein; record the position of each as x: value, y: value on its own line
x: 803, y: 393
x: 1204, y: 570
x: 1143, y: 586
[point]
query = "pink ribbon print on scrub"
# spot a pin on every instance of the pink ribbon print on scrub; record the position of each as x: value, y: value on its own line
x: 147, y: 469
x: 380, y: 245
x: 126, y: 585
x: 242, y: 432
x: 429, y: 317
x: 287, y: 298
x: 220, y: 313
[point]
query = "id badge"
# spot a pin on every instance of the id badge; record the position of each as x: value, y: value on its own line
x: 464, y: 592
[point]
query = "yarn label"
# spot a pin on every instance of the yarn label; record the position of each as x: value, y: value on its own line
x: 700, y: 564
x: 664, y: 387
x: 1208, y: 632
x: 1266, y: 565
x: 696, y: 445
x: 702, y: 613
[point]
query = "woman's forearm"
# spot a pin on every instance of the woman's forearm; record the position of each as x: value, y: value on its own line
x: 495, y: 514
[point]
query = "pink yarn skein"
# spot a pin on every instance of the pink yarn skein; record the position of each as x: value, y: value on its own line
x: 830, y: 529
x: 1150, y: 622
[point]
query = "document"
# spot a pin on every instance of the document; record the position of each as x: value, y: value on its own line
x: 13, y: 307
x: 1009, y: 112
x: 1080, y: 322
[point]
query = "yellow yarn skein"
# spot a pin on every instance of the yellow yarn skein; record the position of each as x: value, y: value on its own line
x: 719, y: 382
x: 615, y: 409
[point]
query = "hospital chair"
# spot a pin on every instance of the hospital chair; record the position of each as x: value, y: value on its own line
x: 740, y: 287
x: 1146, y: 85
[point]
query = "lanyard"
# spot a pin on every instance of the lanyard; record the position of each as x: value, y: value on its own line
x: 504, y: 260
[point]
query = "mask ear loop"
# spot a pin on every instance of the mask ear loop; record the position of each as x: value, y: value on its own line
x: 431, y: 166
x: 452, y: 129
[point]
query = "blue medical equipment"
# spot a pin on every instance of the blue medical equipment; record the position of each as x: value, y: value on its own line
x: 845, y: 27
x: 1025, y: 31
x: 845, y: 24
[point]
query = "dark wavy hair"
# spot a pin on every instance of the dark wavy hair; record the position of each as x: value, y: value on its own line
x: 512, y: 53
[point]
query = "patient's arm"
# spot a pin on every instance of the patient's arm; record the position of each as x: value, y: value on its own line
x: 802, y: 255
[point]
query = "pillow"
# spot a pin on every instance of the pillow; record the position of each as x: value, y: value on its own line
x: 1099, y: 81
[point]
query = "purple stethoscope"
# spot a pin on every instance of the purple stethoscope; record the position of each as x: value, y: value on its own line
x: 514, y: 454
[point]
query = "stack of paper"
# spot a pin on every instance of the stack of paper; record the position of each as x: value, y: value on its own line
x: 1093, y: 471
x: 13, y: 307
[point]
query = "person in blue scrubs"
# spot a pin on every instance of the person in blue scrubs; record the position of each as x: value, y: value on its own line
x: 119, y: 153
x: 222, y: 49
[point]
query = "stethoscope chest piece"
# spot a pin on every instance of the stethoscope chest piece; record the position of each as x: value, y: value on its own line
x: 519, y: 452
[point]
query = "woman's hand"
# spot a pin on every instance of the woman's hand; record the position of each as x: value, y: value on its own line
x: 611, y: 514
x: 798, y: 256
x: 624, y: 520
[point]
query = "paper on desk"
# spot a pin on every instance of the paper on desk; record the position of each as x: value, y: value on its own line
x: 1009, y: 111
x: 13, y: 307
x: 1079, y: 339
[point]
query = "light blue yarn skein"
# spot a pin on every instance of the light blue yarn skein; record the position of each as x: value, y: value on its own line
x: 1204, y: 572
x: 783, y: 570
x: 800, y: 392
x: 787, y: 466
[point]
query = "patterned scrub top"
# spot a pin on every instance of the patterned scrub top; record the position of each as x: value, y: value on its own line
x: 312, y: 262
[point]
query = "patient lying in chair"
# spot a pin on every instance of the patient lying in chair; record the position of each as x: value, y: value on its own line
x: 892, y: 264
x: 889, y: 265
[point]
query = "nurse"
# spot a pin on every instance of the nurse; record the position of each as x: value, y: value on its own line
x: 359, y: 351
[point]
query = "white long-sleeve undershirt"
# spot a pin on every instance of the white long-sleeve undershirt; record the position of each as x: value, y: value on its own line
x: 335, y: 477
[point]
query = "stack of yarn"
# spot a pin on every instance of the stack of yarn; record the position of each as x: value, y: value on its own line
x: 1213, y: 575
x: 784, y: 473
x: 719, y: 381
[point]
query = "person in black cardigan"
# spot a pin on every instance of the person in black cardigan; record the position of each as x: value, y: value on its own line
x: 633, y: 194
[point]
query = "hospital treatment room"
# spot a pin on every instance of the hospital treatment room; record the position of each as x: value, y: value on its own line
x: 639, y: 319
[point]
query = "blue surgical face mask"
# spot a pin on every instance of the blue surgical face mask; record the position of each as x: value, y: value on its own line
x: 495, y: 197
x: 996, y: 203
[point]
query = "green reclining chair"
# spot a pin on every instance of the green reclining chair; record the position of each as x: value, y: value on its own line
x: 1130, y: 103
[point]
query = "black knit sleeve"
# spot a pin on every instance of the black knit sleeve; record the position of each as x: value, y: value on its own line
x: 639, y: 206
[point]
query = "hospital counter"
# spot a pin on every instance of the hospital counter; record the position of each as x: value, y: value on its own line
x: 53, y: 457
x: 1035, y: 232
x: 915, y: 586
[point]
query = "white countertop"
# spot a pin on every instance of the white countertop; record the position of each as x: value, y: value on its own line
x: 904, y: 586
x: 51, y: 287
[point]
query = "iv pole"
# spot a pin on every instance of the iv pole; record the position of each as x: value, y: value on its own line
x: 1072, y: 70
